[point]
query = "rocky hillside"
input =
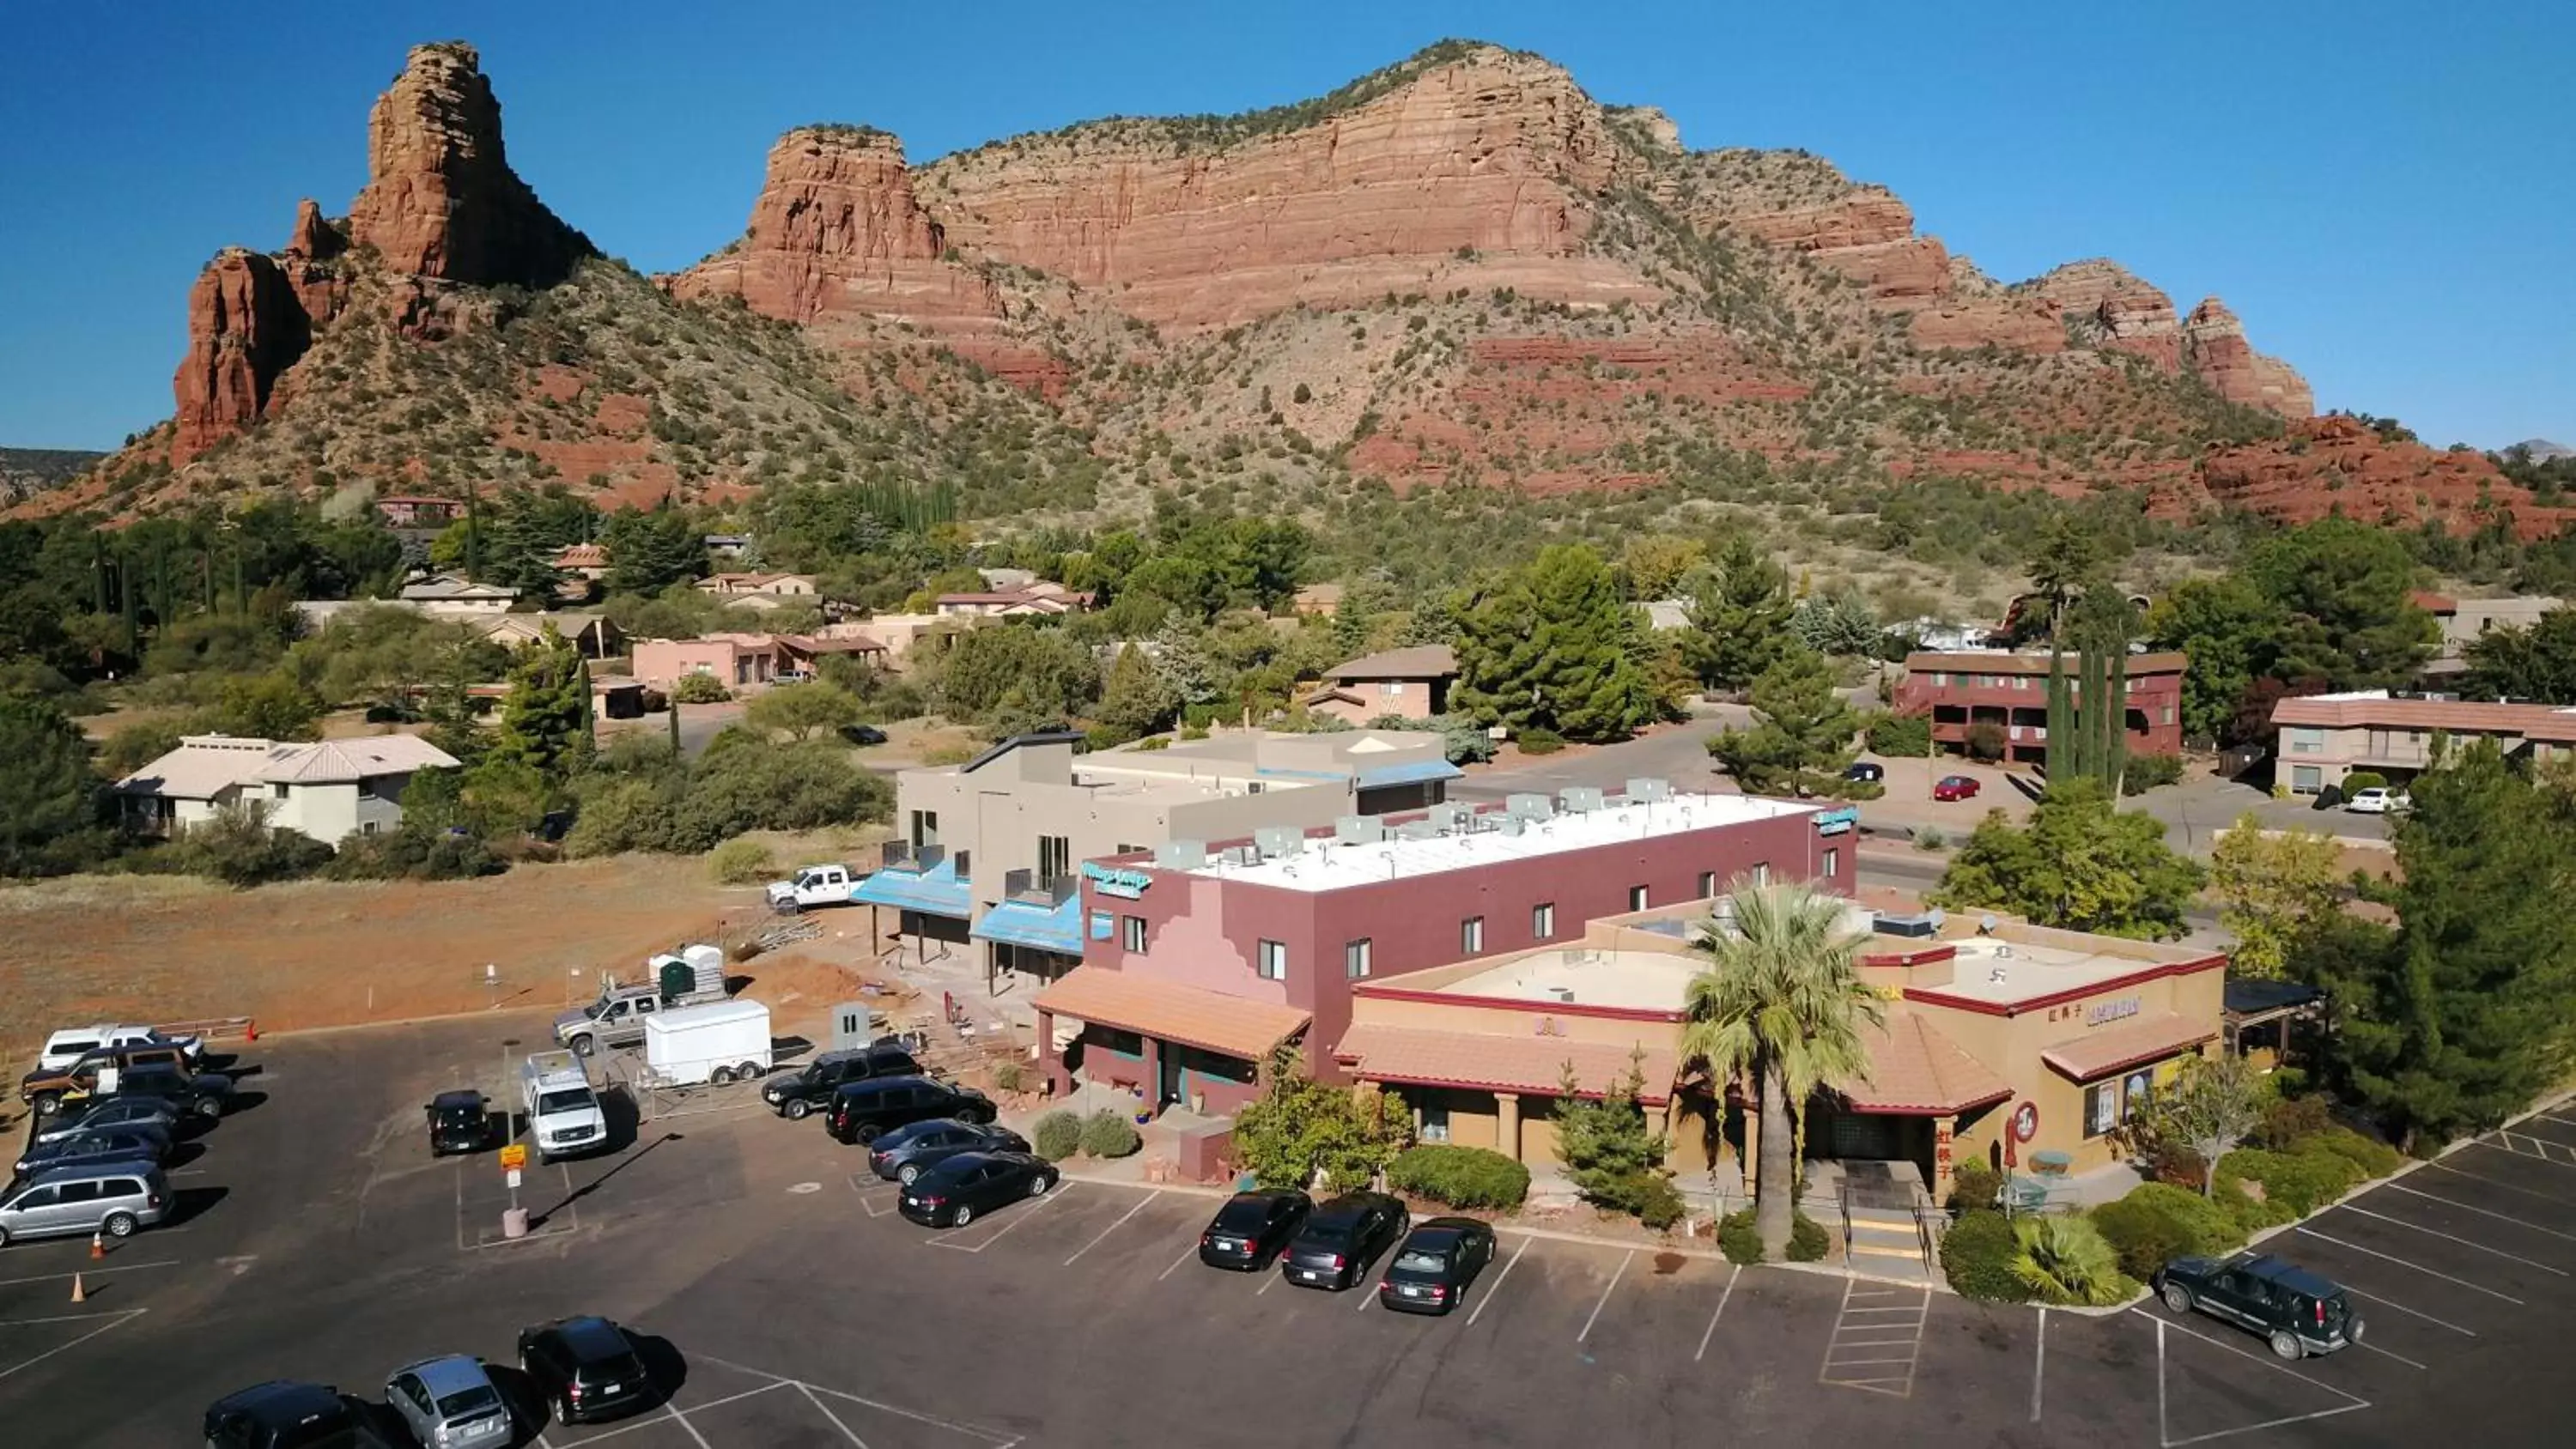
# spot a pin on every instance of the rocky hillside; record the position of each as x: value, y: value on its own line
x: 25, y: 472
x: 1460, y: 270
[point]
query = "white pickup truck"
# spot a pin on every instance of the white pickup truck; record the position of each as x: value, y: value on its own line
x: 814, y: 885
x: 564, y: 1116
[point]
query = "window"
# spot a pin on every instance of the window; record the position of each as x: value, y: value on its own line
x: 1124, y: 1043
x: 367, y: 829
x: 1055, y: 857
x: 1761, y: 873
x: 1355, y: 958
x: 1270, y: 960
x: 1395, y: 689
x: 925, y: 828
x: 1471, y: 935
x: 1543, y: 920
x: 2305, y: 741
x: 2101, y: 1109
x: 277, y: 791
x: 1636, y: 898
x: 1833, y: 862
x: 1131, y: 934
x: 1131, y: 850
x: 1435, y: 1123
x: 1707, y: 885
x: 2306, y: 779
x: 2168, y: 714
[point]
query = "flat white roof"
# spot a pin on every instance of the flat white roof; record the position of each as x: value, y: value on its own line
x: 2004, y: 972
x: 1582, y: 976
x: 1326, y: 864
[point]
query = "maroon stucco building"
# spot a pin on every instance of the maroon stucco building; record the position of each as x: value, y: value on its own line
x: 1198, y: 959
x: 2010, y: 690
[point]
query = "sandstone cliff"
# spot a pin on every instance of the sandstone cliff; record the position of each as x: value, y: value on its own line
x: 441, y: 200
x: 2338, y: 464
x: 2213, y: 343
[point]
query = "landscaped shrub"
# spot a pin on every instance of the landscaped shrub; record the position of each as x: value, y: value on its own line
x: 1659, y: 1203
x: 2290, y: 1121
x: 2294, y: 1184
x: 2062, y: 1258
x: 1539, y: 741
x: 2146, y: 772
x: 1808, y: 1240
x: 1907, y: 736
x: 1058, y: 1135
x: 1109, y: 1134
x: 699, y: 689
x: 1466, y: 1177
x: 741, y: 862
x: 1977, y: 1257
x: 1010, y: 1075
x: 1986, y: 741
x: 2157, y: 1223
x: 1973, y: 1185
x: 2374, y: 1158
x: 2360, y: 780
x: 1738, y: 1240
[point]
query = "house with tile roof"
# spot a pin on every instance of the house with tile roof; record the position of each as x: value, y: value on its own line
x: 1410, y: 683
x: 2320, y: 739
x: 326, y: 789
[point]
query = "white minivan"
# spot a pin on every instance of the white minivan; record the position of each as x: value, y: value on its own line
x: 113, y: 1198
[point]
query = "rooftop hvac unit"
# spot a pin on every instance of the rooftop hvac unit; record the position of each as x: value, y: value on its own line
x: 1579, y: 798
x: 1528, y: 806
x: 1511, y: 825
x: 1279, y: 840
x: 1564, y: 994
x: 1417, y: 830
x: 1359, y: 829
x: 1181, y: 854
x: 1449, y: 816
x: 1643, y: 791
x: 1245, y: 855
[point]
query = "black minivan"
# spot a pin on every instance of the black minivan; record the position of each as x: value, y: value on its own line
x: 861, y: 1110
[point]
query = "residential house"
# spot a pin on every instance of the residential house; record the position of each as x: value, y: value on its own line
x: 593, y: 633
x: 414, y: 510
x: 1040, y: 599
x: 745, y: 662
x: 453, y: 596
x: 2322, y: 738
x: 727, y: 545
x: 738, y: 587
x: 327, y: 790
x: 1411, y: 683
x: 1963, y: 688
x: 585, y: 561
x: 1324, y: 600
x: 2464, y: 621
x: 901, y: 633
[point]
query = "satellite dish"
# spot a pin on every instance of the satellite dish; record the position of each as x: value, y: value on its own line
x: 1986, y: 924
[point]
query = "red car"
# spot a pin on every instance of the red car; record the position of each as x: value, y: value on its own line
x: 1955, y: 787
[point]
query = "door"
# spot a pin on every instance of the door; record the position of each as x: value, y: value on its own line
x: 1170, y: 1057
x: 30, y: 1214
x: 76, y: 1210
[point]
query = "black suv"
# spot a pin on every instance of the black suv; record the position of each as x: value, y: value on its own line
x: 459, y: 1121
x: 585, y: 1367
x: 2299, y: 1312
x: 795, y: 1094
x: 1342, y: 1238
x: 284, y: 1415
x: 861, y: 1110
x: 204, y: 1094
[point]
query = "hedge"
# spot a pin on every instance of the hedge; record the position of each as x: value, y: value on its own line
x: 2360, y: 780
x: 2146, y: 772
x: 1977, y: 1257
x: 1539, y: 740
x: 1110, y: 1134
x: 2157, y: 1223
x: 1737, y: 1239
x: 1906, y: 736
x: 1465, y: 1177
x: 2294, y: 1184
x: 1058, y: 1135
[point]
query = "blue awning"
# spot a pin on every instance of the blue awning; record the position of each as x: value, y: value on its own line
x: 1420, y: 773
x: 1024, y: 923
x: 936, y: 891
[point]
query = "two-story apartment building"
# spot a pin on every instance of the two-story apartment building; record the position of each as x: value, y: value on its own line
x: 328, y: 790
x: 1962, y: 688
x: 2323, y: 738
x: 1294, y: 923
x: 992, y: 849
x: 2465, y: 621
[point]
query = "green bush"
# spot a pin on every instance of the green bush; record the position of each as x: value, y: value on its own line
x: 2372, y: 1157
x: 1977, y: 1258
x: 2158, y: 1222
x: 741, y: 862
x: 1974, y: 1186
x: 1058, y: 1135
x: 1466, y: 1177
x: 1986, y: 741
x: 2294, y: 1184
x: 699, y: 689
x: 413, y: 852
x: 238, y: 847
x: 1539, y: 741
x: 1929, y: 837
x: 2360, y: 780
x: 1109, y: 1133
x: 2288, y: 1122
x: 1906, y: 736
x: 1659, y: 1203
x: 1010, y: 1075
x: 2146, y: 772
x: 1738, y: 1240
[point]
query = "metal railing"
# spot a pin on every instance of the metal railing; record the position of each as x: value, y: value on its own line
x: 1924, y: 1212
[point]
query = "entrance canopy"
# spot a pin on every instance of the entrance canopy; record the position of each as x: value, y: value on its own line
x: 2148, y: 1039
x: 1914, y: 1070
x: 1486, y: 1061
x: 1055, y: 928
x: 934, y: 892
x: 1169, y: 1011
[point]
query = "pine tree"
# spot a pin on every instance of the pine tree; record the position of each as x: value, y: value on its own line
x: 542, y: 720
x: 1136, y: 701
x: 1739, y: 617
x: 1540, y: 648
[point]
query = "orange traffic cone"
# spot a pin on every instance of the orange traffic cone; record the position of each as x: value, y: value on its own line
x: 80, y: 1294
x: 97, y: 1246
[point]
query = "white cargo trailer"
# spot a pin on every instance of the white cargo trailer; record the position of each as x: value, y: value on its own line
x: 722, y: 1042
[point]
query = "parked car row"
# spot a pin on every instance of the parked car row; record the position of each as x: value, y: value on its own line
x: 109, y: 1103
x: 1333, y: 1246
x: 580, y: 1370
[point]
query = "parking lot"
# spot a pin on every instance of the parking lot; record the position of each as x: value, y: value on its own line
x: 320, y: 1241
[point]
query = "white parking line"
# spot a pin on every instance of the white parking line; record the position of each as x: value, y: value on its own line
x: 115, y: 1320
x: 631, y: 1425
x: 1624, y: 1260
x: 2456, y: 1238
x: 683, y: 1421
x: 2164, y: 1433
x: 1365, y: 1298
x: 2039, y: 1365
x: 1186, y: 1255
x: 1733, y: 1271
x: 2497, y: 1182
x: 2411, y: 1312
x: 825, y: 1410
x: 1027, y: 1211
x: 1113, y: 1227
x: 2481, y: 1212
x: 2505, y: 1141
x: 2404, y: 1263
x: 2375, y: 1348
x: 1488, y: 1296
x: 92, y: 1272
x: 1275, y: 1280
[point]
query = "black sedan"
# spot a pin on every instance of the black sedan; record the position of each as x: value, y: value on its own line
x: 953, y: 1193
x: 1341, y: 1239
x: 1439, y: 1259
x: 92, y: 1114
x: 1866, y: 771
x: 904, y: 1154
x: 1253, y: 1228
x: 281, y: 1415
x: 459, y: 1121
x: 133, y: 1142
x: 585, y: 1367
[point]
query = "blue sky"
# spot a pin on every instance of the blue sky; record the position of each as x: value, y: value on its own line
x: 2387, y: 199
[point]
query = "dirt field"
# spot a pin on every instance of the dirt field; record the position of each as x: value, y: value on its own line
x: 320, y: 953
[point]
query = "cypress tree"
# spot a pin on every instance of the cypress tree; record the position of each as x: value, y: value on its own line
x: 2061, y: 714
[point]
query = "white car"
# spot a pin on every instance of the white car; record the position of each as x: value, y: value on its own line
x: 74, y: 1042
x: 2376, y: 800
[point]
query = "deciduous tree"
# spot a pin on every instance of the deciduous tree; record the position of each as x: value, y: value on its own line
x: 2215, y: 1104
x: 48, y: 792
x: 2078, y: 865
x: 2228, y: 632
x: 800, y: 711
x: 2278, y: 887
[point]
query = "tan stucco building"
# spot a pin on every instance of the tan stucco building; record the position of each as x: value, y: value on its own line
x: 2323, y: 738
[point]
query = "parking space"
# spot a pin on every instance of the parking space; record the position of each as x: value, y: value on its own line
x: 724, y: 1405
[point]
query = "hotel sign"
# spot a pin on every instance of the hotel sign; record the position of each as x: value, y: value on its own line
x: 1117, y: 880
x: 2106, y: 1012
x: 1837, y: 822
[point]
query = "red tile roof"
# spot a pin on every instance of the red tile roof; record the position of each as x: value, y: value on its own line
x: 2148, y: 1039
x: 1997, y: 661
x: 1915, y: 1069
x: 2335, y: 711
x: 1234, y: 1026
x: 1490, y: 1061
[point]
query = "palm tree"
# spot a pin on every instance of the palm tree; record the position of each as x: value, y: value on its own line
x: 1782, y: 1005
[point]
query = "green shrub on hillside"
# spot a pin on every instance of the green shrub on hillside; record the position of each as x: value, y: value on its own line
x: 741, y: 862
x: 1977, y: 1258
x: 2294, y: 1184
x: 1464, y: 1177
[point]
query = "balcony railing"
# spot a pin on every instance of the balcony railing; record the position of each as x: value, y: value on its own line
x: 1031, y: 888
x: 917, y: 859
